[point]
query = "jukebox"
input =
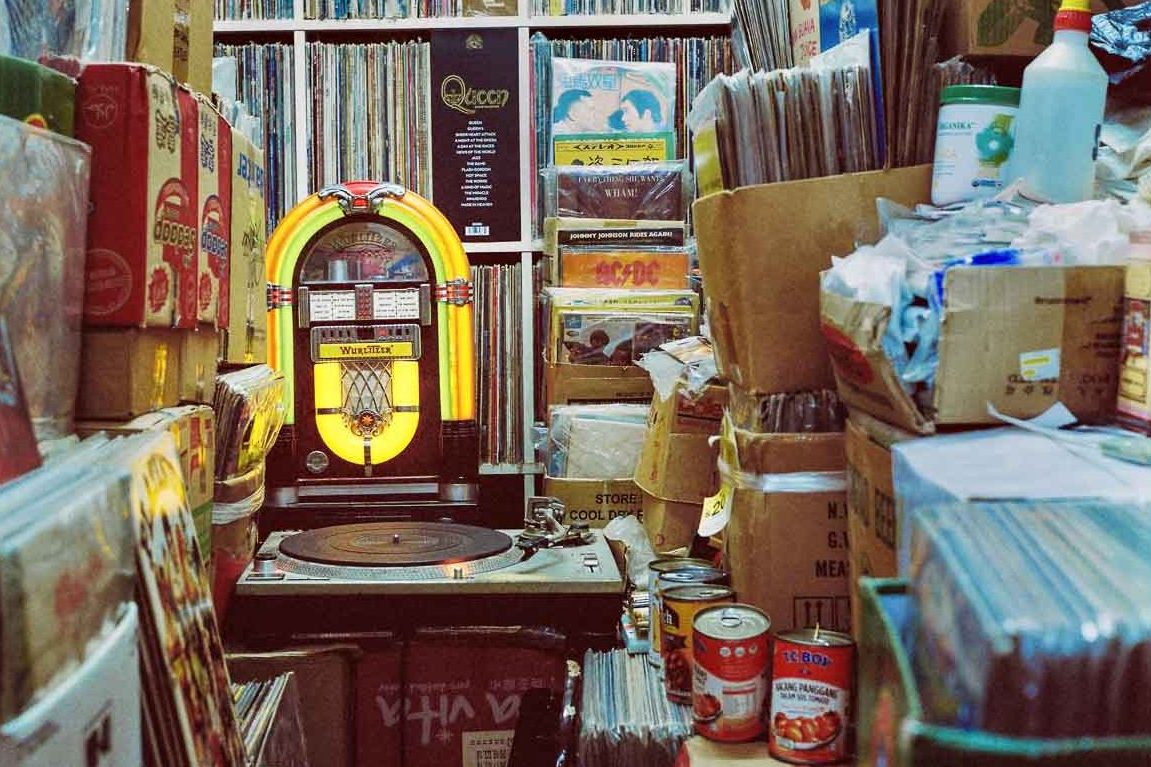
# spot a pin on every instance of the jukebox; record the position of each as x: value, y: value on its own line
x: 370, y: 320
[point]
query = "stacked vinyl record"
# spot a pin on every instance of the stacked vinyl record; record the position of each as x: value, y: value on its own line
x: 1034, y: 619
x: 499, y: 344
x: 626, y: 719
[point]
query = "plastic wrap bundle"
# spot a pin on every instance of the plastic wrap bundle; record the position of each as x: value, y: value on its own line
x: 595, y: 441
x: 90, y: 30
x: 1034, y: 619
x: 66, y: 569
x: 44, y: 207
x: 626, y: 719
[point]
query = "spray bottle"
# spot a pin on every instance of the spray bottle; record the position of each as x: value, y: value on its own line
x: 1060, y: 113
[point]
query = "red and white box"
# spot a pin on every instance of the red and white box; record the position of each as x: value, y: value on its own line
x: 143, y: 244
x: 215, y: 206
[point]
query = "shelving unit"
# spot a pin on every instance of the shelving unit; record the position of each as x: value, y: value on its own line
x: 301, y: 31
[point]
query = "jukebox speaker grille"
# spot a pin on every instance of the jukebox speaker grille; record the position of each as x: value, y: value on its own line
x: 367, y: 408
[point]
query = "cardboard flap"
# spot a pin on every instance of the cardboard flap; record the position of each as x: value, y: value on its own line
x: 761, y: 250
x: 853, y: 331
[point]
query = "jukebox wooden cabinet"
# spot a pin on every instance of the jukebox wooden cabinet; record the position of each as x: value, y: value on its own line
x: 371, y: 322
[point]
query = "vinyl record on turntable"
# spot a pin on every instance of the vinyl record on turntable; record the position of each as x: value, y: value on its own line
x: 396, y: 544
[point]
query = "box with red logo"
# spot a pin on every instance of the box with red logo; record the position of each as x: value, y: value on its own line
x: 246, y: 338
x: 141, y: 266
x: 214, y: 187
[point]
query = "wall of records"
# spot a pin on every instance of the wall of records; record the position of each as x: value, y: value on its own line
x: 452, y: 99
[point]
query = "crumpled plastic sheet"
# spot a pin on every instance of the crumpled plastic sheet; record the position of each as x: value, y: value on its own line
x: 44, y: 207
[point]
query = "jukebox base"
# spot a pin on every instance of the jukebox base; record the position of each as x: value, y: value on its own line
x: 328, y: 582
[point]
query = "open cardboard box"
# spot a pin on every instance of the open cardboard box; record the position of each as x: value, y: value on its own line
x: 567, y: 384
x: 761, y: 250
x: 1019, y: 338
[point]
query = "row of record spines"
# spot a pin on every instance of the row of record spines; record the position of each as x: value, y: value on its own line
x: 698, y: 60
x: 256, y: 707
x: 369, y: 114
x: 499, y: 377
x: 243, y: 10
x: 265, y: 82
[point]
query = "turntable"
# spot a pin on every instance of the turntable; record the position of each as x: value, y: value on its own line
x: 398, y: 576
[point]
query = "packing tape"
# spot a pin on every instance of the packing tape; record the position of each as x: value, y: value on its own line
x: 795, y: 482
x: 226, y: 513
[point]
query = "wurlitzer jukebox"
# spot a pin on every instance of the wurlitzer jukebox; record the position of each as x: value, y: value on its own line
x: 371, y: 321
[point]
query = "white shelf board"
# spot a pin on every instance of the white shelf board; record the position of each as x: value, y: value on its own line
x: 472, y: 22
x: 511, y: 246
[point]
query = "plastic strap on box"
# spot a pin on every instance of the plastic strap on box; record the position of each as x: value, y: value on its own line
x: 226, y: 513
x: 793, y: 482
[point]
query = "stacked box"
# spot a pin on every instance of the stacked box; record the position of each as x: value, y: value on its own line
x: 245, y: 340
x: 215, y: 210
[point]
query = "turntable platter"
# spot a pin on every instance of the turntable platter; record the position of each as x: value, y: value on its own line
x: 395, y: 544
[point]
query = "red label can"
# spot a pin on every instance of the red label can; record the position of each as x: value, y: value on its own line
x: 680, y: 606
x: 812, y: 672
x: 729, y: 676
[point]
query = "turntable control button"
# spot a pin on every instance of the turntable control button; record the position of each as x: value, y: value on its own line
x: 591, y: 562
x: 265, y: 563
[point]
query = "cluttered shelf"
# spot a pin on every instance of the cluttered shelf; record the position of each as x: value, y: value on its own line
x: 619, y: 21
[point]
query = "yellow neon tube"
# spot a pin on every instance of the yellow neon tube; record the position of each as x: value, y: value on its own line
x: 392, y: 439
x: 274, y: 254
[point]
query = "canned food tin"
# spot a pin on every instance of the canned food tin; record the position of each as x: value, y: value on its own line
x: 680, y: 606
x: 812, y: 672
x: 700, y: 572
x: 729, y: 675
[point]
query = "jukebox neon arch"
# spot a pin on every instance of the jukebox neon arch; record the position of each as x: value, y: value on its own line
x: 365, y: 364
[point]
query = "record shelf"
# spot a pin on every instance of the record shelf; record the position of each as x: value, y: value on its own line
x: 301, y: 31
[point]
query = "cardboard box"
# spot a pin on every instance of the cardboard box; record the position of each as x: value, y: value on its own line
x: 93, y: 712
x: 1135, y: 372
x: 786, y: 547
x: 37, y: 95
x: 670, y: 525
x: 194, y: 429
x: 325, y: 677
x: 199, y: 350
x: 893, y: 731
x: 200, y: 46
x: 214, y: 190
x: 566, y: 384
x: 595, y: 502
x: 761, y: 250
x: 991, y: 28
x: 1008, y: 464
x: 181, y: 38
x: 245, y: 341
x: 151, y: 32
x: 142, y: 256
x: 462, y: 702
x: 1020, y: 338
x: 128, y: 372
x: 873, y: 521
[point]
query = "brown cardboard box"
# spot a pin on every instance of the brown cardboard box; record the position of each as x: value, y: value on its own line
x: 872, y: 515
x: 246, y: 339
x: 181, y: 34
x: 127, y: 372
x: 1020, y: 338
x: 151, y: 32
x: 1135, y: 374
x: 198, y: 352
x: 787, y: 548
x: 142, y: 261
x: 200, y: 46
x: 595, y: 502
x: 462, y: 698
x: 214, y: 189
x: 996, y: 28
x: 670, y: 525
x: 325, y: 676
x: 566, y: 384
x: 761, y: 250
